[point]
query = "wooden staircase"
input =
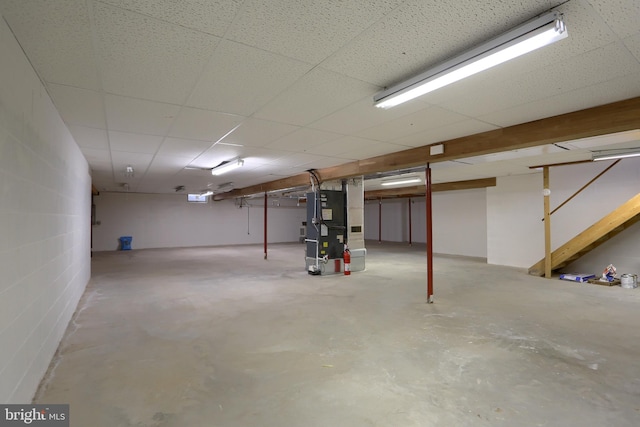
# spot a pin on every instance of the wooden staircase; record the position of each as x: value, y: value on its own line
x: 623, y: 217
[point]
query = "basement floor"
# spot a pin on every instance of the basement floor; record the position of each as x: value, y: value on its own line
x: 221, y: 337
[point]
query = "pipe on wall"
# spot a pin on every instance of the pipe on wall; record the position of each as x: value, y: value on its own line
x: 409, y: 221
x: 380, y: 220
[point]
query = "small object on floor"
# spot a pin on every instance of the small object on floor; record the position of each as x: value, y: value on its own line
x: 629, y: 281
x: 576, y: 277
x: 606, y: 282
x: 609, y: 273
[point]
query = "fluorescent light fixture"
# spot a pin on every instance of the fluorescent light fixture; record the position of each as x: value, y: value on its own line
x: 528, y: 37
x: 207, y: 193
x: 615, y: 154
x: 227, y: 167
x: 400, y: 181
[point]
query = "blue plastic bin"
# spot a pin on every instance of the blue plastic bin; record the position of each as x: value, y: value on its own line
x: 125, y: 243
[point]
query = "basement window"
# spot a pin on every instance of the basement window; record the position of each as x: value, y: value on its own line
x: 196, y: 198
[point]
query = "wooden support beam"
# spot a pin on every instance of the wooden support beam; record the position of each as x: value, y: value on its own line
x: 605, y: 119
x: 94, y: 190
x: 419, y: 189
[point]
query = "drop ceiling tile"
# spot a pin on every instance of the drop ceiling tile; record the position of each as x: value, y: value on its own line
x: 420, y: 34
x: 90, y: 137
x: 194, y: 123
x: 633, y: 44
x: 139, y: 161
x: 257, y: 133
x: 134, y: 142
x: 167, y: 165
x: 317, y: 94
x: 208, y: 16
x: 417, y: 122
x: 146, y: 58
x: 180, y: 147
x: 303, y: 139
x: 587, y: 69
x: 139, y: 116
x: 240, y: 79
x: 444, y: 133
x: 362, y: 115
x: 373, y: 149
x: 78, y: 106
x: 623, y: 16
x: 610, y: 91
x: 343, y: 145
x: 307, y: 30
x: 56, y: 36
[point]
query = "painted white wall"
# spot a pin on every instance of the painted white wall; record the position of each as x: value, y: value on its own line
x: 515, y: 210
x: 168, y: 220
x: 45, y: 210
x: 459, y: 222
x: 515, y: 232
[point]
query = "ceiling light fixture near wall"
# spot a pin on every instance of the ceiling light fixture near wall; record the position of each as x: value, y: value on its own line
x: 227, y: 167
x: 532, y: 35
x: 128, y: 171
x: 400, y: 181
x: 615, y: 154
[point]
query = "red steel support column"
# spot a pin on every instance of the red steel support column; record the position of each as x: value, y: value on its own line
x: 409, y: 221
x: 265, y: 225
x: 380, y: 220
x: 429, y: 237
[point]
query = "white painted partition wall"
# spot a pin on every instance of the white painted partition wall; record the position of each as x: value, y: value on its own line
x: 45, y: 213
x: 459, y: 222
x: 168, y: 220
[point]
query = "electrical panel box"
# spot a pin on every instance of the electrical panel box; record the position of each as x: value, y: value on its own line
x: 326, y: 223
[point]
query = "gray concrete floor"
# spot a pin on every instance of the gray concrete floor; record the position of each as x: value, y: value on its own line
x: 221, y: 337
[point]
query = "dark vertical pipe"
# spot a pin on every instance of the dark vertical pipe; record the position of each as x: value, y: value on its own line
x: 429, y: 237
x: 409, y: 221
x: 380, y: 220
x: 265, y: 225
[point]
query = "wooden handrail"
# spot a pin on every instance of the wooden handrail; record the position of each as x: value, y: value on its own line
x: 584, y: 186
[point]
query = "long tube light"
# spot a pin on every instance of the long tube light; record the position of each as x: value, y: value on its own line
x: 227, y: 167
x: 400, y: 181
x: 615, y: 154
x: 523, y: 39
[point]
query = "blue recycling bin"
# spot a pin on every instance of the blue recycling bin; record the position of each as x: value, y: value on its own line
x: 125, y: 243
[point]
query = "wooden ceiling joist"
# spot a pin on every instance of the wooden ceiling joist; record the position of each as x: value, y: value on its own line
x: 605, y: 119
x: 419, y: 190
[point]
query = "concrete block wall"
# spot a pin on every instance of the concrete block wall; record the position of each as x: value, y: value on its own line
x: 168, y: 220
x: 45, y: 214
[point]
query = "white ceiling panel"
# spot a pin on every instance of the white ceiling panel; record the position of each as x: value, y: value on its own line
x: 599, y: 94
x: 134, y: 142
x: 417, y: 122
x: 623, y: 16
x: 317, y: 94
x: 146, y: 58
x: 421, y: 34
x: 187, y: 148
x: 307, y: 30
x: 363, y: 115
x: 139, y: 161
x: 343, y: 145
x: 156, y: 83
x: 60, y: 47
x: 139, y: 116
x: 241, y: 79
x: 633, y: 44
x: 90, y: 137
x: 78, y: 106
x: 258, y: 133
x: 444, y: 133
x: 208, y: 16
x: 302, y: 140
x: 193, y: 123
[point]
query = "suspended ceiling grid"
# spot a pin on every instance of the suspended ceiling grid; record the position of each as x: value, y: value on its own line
x: 164, y: 85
